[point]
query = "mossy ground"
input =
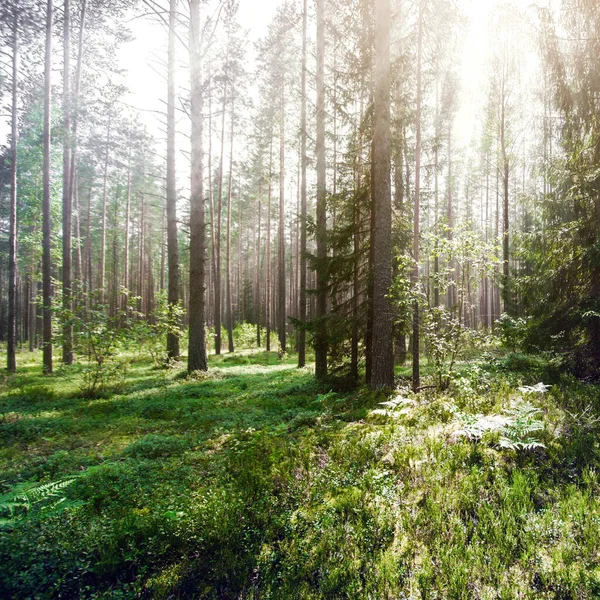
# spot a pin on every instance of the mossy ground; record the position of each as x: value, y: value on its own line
x: 254, y: 481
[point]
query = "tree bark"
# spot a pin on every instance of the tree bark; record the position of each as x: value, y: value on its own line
x: 67, y: 212
x: 11, y: 360
x: 197, y: 359
x: 172, y: 241
x: 228, y: 249
x: 321, y: 233
x: 281, y: 316
x: 382, y: 375
x: 268, y: 254
x: 301, y: 334
x: 103, y: 222
x: 416, y: 232
x: 217, y: 274
x: 47, y: 224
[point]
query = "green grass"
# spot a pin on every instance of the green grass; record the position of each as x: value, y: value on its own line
x: 256, y: 482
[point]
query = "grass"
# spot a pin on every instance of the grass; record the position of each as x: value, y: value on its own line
x: 256, y: 482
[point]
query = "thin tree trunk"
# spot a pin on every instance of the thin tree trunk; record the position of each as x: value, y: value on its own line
x: 47, y: 224
x: 103, y: 222
x: 228, y: 249
x: 415, y: 274
x: 321, y: 233
x: 11, y: 360
x: 258, y: 309
x: 88, y: 248
x: 268, y: 254
x: 67, y: 211
x: 436, y: 258
x: 301, y: 335
x: 281, y: 229
x: 172, y: 241
x: 505, y: 222
x: 126, y: 258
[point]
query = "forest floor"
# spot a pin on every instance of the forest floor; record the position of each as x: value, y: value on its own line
x: 255, y: 481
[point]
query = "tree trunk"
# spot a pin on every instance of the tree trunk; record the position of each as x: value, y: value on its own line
x: 258, y: 308
x: 416, y: 234
x: 197, y: 359
x: 382, y: 374
x: 126, y: 258
x: 321, y: 233
x: 103, y: 222
x: 217, y: 275
x: 301, y: 334
x: 505, y: 221
x: 172, y: 241
x: 11, y: 360
x: 268, y: 254
x: 67, y: 212
x: 281, y: 316
x: 47, y: 224
x: 228, y: 249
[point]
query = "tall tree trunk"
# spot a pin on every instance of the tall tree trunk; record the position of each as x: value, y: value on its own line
x: 382, y: 374
x: 126, y: 258
x: 436, y: 167
x: 505, y: 221
x: 450, y: 218
x: 11, y: 360
x: 141, y: 269
x: 228, y: 249
x: 268, y: 253
x: 217, y: 274
x: 416, y: 233
x: 258, y: 309
x: 88, y: 248
x: 281, y: 229
x: 172, y: 241
x: 321, y: 233
x: 197, y: 359
x: 67, y: 212
x: 103, y: 222
x: 47, y: 224
x: 301, y: 334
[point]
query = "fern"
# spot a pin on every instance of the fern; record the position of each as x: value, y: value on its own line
x: 396, y: 407
x: 29, y: 497
x: 516, y: 427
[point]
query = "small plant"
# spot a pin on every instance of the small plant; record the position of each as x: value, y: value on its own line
x: 512, y: 331
x: 445, y: 337
x: 151, y: 333
x: 516, y: 427
x: 32, y: 497
x: 396, y: 407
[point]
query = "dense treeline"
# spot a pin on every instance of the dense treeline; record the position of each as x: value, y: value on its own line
x: 332, y: 199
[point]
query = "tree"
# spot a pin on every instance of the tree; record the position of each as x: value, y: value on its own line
x: 321, y: 221
x: 67, y: 211
x: 172, y: 241
x: 197, y: 359
x: 47, y: 225
x: 301, y: 334
x: 382, y: 375
x: 12, y: 260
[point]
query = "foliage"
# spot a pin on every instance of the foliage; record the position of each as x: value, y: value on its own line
x: 150, y: 331
x: 445, y: 337
x: 32, y: 497
x: 513, y: 331
x: 515, y: 427
x: 256, y: 481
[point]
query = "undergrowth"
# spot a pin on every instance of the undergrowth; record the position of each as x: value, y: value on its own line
x: 253, y: 481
